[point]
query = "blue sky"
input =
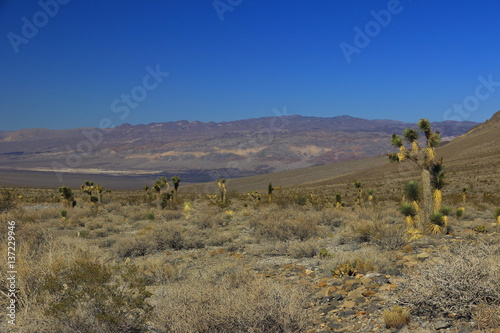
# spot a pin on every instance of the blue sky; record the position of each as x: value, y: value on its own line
x: 238, y: 59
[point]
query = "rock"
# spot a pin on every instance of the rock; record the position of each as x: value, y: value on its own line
x: 441, y: 325
x: 334, y: 326
x: 422, y: 256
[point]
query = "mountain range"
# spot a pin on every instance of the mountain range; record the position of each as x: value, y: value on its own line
x: 198, y: 151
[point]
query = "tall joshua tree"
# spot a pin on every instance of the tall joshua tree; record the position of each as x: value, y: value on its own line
x: 175, y: 180
x: 424, y: 159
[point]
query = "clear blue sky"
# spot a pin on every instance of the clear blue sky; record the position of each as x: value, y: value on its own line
x: 262, y: 55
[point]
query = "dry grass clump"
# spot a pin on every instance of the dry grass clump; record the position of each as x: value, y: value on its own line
x: 303, y: 249
x: 364, y: 260
x: 397, y: 317
x: 486, y: 316
x: 285, y: 225
x: 381, y: 231
x: 453, y: 282
x: 230, y: 299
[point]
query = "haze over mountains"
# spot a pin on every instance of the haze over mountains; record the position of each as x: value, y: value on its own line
x: 200, y: 151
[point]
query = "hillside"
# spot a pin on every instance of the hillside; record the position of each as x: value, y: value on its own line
x: 472, y: 160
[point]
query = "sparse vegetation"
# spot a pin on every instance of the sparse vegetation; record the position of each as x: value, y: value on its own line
x: 131, y: 266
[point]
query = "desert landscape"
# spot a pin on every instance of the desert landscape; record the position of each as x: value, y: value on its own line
x: 233, y: 166
x: 340, y: 247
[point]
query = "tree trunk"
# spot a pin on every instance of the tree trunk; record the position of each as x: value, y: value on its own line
x: 426, y: 198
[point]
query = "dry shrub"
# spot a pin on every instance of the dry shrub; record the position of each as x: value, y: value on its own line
x: 379, y: 230
x: 486, y: 316
x: 285, y: 225
x: 230, y: 299
x: 397, y: 317
x: 303, y: 249
x: 364, y: 260
x: 453, y: 282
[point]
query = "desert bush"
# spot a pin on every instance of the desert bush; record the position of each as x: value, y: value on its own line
x: 229, y: 299
x: 88, y: 296
x: 380, y: 231
x: 452, y: 283
x: 486, y: 316
x: 285, y: 226
x: 397, y: 317
x: 303, y: 249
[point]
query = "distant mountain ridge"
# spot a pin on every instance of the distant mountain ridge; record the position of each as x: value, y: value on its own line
x: 202, y: 151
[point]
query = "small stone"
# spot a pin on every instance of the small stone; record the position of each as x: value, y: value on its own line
x: 423, y: 255
x: 408, y: 248
x: 441, y: 324
x: 334, y: 326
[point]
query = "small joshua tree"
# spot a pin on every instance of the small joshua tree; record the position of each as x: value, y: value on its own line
x: 175, y: 180
x: 67, y: 196
x: 99, y: 189
x: 358, y: 186
x: 497, y: 215
x: 424, y: 159
x: 338, y: 200
x: 464, y: 195
x: 158, y: 186
x: 221, y: 183
x: 88, y: 187
x: 270, y: 190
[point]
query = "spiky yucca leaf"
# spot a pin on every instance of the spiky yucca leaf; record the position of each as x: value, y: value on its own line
x: 408, y: 209
x: 446, y: 211
x: 393, y: 157
x: 434, y: 140
x: 425, y: 126
x: 411, y: 191
x: 438, y: 223
x: 396, y: 141
x: 410, y: 135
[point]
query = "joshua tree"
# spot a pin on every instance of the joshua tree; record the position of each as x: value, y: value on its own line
x: 358, y: 186
x: 338, y: 200
x: 221, y: 183
x: 270, y: 190
x: 497, y: 215
x: 424, y: 158
x: 175, y: 180
x: 67, y: 196
x: 158, y: 186
x: 99, y: 189
x: 88, y: 187
x: 464, y: 195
